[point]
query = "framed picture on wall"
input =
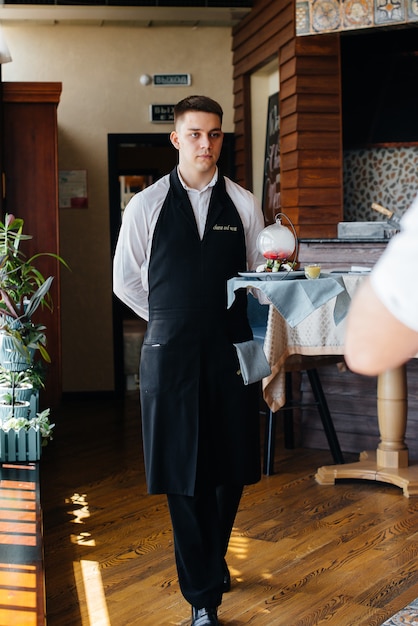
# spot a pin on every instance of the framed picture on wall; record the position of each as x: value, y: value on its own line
x: 72, y: 186
x: 271, y: 181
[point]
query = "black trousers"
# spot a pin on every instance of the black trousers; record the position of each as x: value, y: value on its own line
x: 202, y: 526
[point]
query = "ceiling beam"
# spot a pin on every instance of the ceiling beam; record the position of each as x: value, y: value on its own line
x: 129, y: 16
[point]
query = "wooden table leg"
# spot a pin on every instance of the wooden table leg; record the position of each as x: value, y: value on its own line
x: 389, y: 463
x: 392, y: 411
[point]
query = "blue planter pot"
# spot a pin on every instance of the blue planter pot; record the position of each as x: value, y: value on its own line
x: 21, y: 393
x: 19, y: 409
x: 11, y: 358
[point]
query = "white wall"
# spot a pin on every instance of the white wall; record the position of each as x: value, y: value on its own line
x: 100, y: 67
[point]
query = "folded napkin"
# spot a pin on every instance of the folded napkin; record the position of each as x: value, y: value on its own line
x: 252, y: 361
x: 296, y: 299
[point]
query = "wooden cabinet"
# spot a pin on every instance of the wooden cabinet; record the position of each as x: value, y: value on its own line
x: 30, y: 163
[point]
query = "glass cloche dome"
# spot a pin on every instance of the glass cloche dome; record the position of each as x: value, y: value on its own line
x: 277, y: 242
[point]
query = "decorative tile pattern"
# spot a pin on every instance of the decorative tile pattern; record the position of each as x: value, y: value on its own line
x: 325, y: 16
x: 302, y: 17
x: 357, y: 13
x: 383, y: 175
x: 412, y: 10
x: 389, y: 12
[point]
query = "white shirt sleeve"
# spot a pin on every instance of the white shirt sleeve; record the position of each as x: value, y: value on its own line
x: 130, y: 256
x: 394, y: 277
x: 130, y: 264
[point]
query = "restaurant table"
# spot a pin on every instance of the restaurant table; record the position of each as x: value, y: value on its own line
x: 307, y: 317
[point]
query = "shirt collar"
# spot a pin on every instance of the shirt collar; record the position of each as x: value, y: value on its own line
x: 211, y: 183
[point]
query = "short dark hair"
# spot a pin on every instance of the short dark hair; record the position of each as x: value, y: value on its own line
x: 197, y: 103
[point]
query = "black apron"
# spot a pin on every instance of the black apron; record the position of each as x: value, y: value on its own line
x: 200, y: 422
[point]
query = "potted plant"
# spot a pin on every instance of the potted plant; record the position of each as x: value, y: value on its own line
x: 19, y: 391
x: 22, y: 438
x: 23, y: 289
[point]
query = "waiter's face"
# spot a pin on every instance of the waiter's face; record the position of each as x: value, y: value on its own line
x: 198, y: 138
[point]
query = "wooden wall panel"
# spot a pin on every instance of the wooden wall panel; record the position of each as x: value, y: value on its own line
x: 310, y: 122
x: 311, y: 158
x: 31, y: 172
x: 264, y: 15
x: 307, y: 141
x: 309, y: 103
x: 310, y: 113
x: 341, y: 253
x: 313, y: 178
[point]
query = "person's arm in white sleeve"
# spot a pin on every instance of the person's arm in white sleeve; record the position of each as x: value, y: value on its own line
x: 382, y: 324
x: 130, y: 257
x: 376, y: 340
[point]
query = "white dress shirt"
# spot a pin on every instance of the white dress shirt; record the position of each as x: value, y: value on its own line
x: 394, y: 277
x: 130, y: 268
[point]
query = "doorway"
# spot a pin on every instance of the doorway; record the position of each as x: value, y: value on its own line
x: 136, y: 160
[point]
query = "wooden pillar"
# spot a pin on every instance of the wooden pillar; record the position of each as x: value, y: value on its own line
x: 310, y: 113
x: 30, y: 162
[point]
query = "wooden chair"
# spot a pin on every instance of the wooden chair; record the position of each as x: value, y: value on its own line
x: 257, y: 315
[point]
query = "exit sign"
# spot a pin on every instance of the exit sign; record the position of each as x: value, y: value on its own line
x: 172, y: 80
x: 162, y: 113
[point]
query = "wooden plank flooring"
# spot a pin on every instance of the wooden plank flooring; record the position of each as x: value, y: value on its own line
x: 301, y: 554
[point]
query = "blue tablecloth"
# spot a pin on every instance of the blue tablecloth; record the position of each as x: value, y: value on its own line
x: 296, y: 298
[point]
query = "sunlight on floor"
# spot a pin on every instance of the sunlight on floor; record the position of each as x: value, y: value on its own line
x: 82, y: 510
x: 80, y: 514
x: 88, y: 578
x: 91, y: 593
x: 239, y: 547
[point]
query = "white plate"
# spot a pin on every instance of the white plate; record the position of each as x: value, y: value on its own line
x: 273, y: 275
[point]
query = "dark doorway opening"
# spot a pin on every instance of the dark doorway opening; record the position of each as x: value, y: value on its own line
x: 136, y: 160
x: 379, y: 71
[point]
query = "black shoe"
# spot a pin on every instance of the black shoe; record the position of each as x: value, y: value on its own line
x: 226, y: 584
x: 204, y: 617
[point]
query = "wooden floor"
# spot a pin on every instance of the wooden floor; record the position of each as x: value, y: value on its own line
x: 301, y: 554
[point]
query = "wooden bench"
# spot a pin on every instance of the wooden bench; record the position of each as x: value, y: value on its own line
x: 22, y: 583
